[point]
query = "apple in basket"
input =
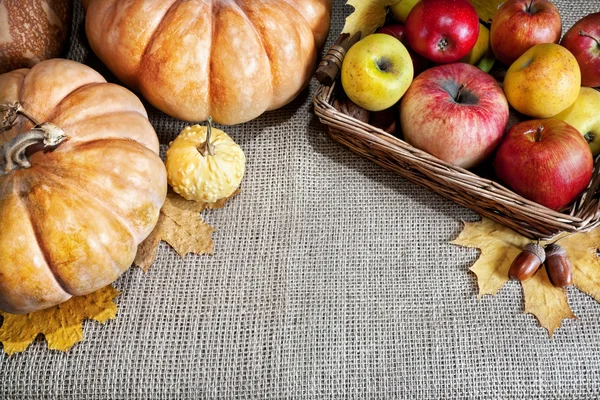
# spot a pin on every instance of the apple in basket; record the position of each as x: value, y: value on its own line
x: 546, y: 161
x: 442, y: 31
x: 455, y: 112
x: 519, y: 25
x: 420, y: 64
x: 376, y: 72
x: 583, y: 40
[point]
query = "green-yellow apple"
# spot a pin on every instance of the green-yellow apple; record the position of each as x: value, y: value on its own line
x: 544, y: 81
x: 481, y: 55
x: 401, y: 9
x: 455, y: 112
x: 584, y: 115
x: 376, y: 72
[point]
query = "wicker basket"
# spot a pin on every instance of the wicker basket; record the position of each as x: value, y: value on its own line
x: 483, y: 196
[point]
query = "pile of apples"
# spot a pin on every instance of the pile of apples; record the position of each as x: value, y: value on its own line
x: 432, y: 62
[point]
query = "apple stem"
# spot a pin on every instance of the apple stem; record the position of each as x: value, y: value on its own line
x: 529, y: 6
x: 584, y: 33
x: 457, y: 97
x: 538, y: 133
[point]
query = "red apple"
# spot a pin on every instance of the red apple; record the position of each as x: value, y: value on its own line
x: 395, y: 30
x: 583, y: 40
x: 455, y: 112
x: 420, y: 64
x: 546, y: 161
x: 518, y: 25
x: 442, y: 31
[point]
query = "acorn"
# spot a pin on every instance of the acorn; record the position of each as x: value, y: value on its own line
x: 527, y: 262
x: 558, y: 266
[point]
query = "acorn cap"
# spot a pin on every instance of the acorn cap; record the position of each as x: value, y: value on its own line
x: 537, y: 250
x: 554, y: 249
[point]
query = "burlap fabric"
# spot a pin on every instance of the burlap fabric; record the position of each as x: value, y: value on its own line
x: 331, y: 278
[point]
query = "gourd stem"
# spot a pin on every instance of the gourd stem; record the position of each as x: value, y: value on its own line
x: 13, y: 154
x: 206, y: 148
x: 12, y: 111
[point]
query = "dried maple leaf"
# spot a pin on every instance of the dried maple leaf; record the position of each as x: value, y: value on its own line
x: 61, y: 324
x: 180, y: 225
x: 486, y: 9
x: 500, y: 245
x: 368, y: 15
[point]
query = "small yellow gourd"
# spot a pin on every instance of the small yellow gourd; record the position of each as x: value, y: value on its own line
x: 204, y: 164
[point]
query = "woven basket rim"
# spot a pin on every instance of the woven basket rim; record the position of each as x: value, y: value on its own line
x: 582, y: 215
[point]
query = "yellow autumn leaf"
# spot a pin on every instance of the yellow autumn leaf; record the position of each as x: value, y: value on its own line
x: 548, y: 303
x: 499, y: 247
x: 61, y: 324
x: 582, y: 250
x: 486, y: 9
x: 368, y: 15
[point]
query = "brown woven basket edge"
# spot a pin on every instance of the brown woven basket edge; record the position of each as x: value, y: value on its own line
x: 508, y: 208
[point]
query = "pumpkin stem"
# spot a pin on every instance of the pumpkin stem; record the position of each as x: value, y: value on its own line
x: 12, y: 111
x: 13, y: 154
x: 206, y: 148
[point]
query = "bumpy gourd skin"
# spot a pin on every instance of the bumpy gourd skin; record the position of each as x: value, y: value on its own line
x: 71, y: 223
x: 206, y: 178
x: 229, y: 59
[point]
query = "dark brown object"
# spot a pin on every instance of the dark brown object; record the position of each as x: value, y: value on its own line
x: 348, y: 107
x: 32, y: 31
x: 386, y: 120
x: 484, y: 196
x: 330, y: 65
x: 560, y: 270
x: 527, y: 262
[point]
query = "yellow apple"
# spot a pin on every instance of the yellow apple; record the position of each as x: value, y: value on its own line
x: 543, y: 81
x: 584, y: 115
x: 401, y: 8
x: 376, y: 72
x: 481, y: 55
x: 481, y: 46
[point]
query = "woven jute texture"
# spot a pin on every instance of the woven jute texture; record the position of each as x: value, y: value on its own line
x: 332, y: 279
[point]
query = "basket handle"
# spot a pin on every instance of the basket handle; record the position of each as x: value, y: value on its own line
x: 330, y: 65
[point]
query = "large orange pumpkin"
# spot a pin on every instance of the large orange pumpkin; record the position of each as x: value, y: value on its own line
x: 229, y: 59
x: 72, y: 211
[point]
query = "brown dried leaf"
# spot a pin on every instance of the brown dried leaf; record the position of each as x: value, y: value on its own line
x: 61, y: 324
x: 179, y: 225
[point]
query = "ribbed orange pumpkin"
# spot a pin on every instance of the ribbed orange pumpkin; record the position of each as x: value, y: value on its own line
x: 229, y: 59
x: 72, y: 211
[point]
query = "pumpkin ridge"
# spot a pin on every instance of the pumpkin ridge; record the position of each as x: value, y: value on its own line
x: 261, y: 41
x: 153, y: 37
x: 74, y: 139
x: 40, y: 243
x: 55, y: 171
x: 75, y: 184
x: 53, y: 115
x: 57, y: 183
